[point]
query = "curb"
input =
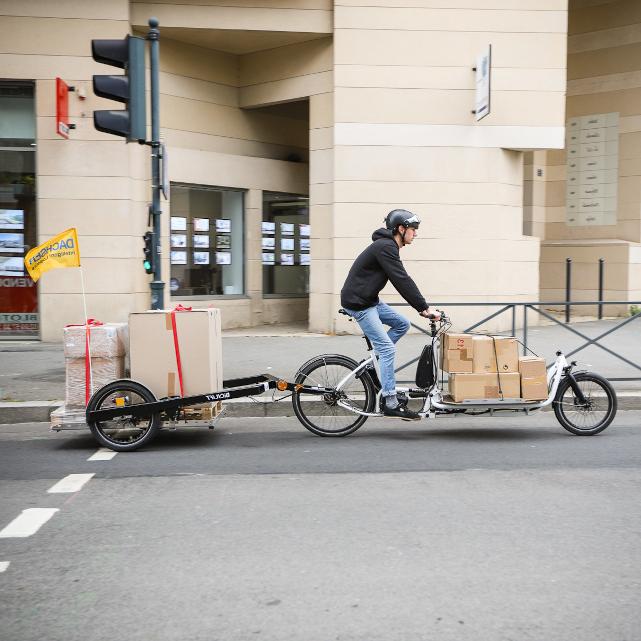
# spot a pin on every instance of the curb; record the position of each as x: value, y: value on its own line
x: 40, y: 411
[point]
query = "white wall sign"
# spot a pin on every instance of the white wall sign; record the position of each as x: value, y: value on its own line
x: 483, y: 68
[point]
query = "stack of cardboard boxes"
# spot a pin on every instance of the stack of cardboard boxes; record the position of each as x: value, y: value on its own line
x: 486, y: 367
x: 105, y: 359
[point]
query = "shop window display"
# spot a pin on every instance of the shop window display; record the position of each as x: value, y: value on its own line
x: 206, y: 238
x: 18, y: 293
x: 285, y: 244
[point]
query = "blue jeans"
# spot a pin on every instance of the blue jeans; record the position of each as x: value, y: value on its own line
x: 371, y: 321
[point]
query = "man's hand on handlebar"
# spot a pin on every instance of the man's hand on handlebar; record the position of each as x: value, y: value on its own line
x: 436, y: 315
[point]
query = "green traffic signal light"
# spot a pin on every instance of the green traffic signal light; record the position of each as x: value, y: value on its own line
x: 148, y: 251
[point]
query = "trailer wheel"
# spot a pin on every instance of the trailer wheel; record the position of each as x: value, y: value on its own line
x: 596, y: 414
x: 127, y: 432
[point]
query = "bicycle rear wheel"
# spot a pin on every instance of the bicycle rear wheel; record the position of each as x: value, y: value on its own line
x: 321, y: 414
x: 127, y: 432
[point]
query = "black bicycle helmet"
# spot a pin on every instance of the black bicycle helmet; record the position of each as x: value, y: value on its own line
x: 398, y: 217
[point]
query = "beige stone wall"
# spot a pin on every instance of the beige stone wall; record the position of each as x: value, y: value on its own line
x: 100, y: 185
x: 405, y: 137
x: 604, y: 76
x: 93, y: 182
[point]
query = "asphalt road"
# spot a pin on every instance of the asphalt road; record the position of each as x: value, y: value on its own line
x: 469, y: 528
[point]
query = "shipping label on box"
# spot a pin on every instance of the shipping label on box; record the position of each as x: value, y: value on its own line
x: 456, y: 353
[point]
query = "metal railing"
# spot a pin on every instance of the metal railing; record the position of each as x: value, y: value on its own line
x: 509, y: 307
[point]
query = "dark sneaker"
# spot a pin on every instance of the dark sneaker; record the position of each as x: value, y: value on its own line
x: 400, y: 397
x: 401, y: 412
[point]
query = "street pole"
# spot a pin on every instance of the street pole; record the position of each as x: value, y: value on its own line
x: 157, y: 285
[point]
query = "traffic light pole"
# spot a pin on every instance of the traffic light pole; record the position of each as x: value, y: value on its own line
x: 157, y: 285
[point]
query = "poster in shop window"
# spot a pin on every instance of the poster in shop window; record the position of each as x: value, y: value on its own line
x: 269, y: 228
x: 201, y: 240
x: 287, y: 259
x: 201, y: 258
x: 11, y: 219
x: 287, y: 244
x: 11, y: 243
x: 223, y: 226
x: 223, y: 258
x: 179, y: 240
x: 201, y: 224
x: 268, y: 259
x: 304, y: 259
x: 304, y: 230
x: 304, y: 244
x: 287, y: 229
x: 268, y: 243
x: 11, y: 266
x: 178, y: 223
x: 178, y: 258
x: 223, y: 242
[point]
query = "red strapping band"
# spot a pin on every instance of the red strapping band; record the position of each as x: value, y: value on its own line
x: 90, y: 322
x: 178, y: 308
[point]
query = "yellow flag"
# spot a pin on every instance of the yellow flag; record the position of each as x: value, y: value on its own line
x: 60, y: 251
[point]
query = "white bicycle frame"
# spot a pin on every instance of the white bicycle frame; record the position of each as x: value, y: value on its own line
x: 435, y: 400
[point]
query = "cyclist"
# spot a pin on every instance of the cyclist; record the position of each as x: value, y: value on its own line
x: 370, y: 272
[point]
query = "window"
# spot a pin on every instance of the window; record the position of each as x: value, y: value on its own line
x: 206, y: 241
x: 285, y: 244
x: 18, y: 293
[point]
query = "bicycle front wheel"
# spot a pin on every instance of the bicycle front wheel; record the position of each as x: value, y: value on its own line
x: 591, y: 417
x: 322, y: 415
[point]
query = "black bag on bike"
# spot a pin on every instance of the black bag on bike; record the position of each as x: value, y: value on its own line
x: 425, y: 368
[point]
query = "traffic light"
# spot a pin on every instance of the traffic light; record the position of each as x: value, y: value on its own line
x: 127, y: 54
x: 148, y: 260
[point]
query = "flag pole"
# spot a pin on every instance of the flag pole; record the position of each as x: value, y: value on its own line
x: 87, y: 330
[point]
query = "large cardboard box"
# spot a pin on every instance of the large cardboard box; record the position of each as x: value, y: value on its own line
x: 488, y: 351
x: 534, y: 384
x: 456, y: 353
x: 483, y: 386
x: 153, y: 353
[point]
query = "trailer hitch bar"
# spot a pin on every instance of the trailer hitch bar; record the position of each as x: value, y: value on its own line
x: 232, y: 388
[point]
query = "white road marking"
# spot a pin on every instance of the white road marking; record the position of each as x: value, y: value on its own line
x: 71, y: 483
x: 28, y: 523
x: 4, y: 565
x: 103, y: 454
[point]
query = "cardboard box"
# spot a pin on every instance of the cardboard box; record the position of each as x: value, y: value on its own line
x: 534, y: 389
x: 534, y: 384
x: 490, y: 350
x: 456, y: 353
x: 532, y: 366
x: 103, y: 370
x: 106, y: 341
x: 153, y: 354
x: 483, y: 386
x: 484, y: 355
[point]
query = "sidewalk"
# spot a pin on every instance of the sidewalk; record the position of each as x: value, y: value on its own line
x: 32, y: 376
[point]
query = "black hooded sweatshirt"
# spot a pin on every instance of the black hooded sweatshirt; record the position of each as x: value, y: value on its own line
x: 370, y: 272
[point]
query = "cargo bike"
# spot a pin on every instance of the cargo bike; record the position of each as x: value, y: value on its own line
x: 584, y: 403
x: 333, y: 395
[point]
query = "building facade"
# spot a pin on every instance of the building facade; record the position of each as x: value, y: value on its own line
x: 293, y: 126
